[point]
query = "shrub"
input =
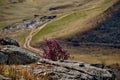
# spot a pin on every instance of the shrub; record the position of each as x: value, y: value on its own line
x: 54, y: 51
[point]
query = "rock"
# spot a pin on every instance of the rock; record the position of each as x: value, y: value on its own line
x: 8, y: 41
x: 4, y: 78
x: 98, y: 65
x: 73, y: 70
x: 3, y: 58
x: 117, y: 73
x: 17, y: 55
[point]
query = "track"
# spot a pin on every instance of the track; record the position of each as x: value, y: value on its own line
x: 29, y: 38
x: 34, y: 31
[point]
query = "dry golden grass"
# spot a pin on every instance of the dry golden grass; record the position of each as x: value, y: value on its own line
x: 96, y: 55
x: 17, y: 72
x: 96, y: 59
x: 14, y: 11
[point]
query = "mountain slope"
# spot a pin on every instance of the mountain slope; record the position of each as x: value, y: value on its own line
x: 75, y: 23
x: 101, y: 43
x: 106, y: 29
x: 91, y: 42
x: 12, y: 11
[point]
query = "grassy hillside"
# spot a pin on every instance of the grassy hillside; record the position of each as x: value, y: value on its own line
x: 105, y: 29
x: 74, y: 22
x: 103, y: 40
x: 12, y: 11
x: 86, y: 25
x: 91, y: 28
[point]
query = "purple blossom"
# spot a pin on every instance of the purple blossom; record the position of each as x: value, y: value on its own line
x: 54, y: 51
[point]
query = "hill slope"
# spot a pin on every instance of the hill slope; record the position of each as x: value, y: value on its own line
x: 101, y: 43
x: 95, y: 37
x: 106, y: 29
x: 12, y: 11
x: 78, y: 23
x: 81, y: 31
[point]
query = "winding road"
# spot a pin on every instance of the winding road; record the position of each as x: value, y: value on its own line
x: 33, y: 32
x: 29, y: 38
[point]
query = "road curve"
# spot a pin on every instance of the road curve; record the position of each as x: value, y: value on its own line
x: 29, y: 38
x: 33, y: 32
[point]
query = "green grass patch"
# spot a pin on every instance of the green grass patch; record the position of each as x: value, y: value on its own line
x: 59, y: 24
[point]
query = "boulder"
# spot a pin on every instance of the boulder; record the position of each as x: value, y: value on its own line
x: 72, y: 70
x: 8, y: 41
x: 3, y: 58
x: 17, y: 55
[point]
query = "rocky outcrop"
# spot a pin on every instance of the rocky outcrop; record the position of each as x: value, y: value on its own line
x: 8, y: 41
x: 3, y: 57
x: 12, y: 53
x: 55, y: 70
x: 58, y: 70
x: 29, y: 23
x: 16, y: 55
x: 71, y: 70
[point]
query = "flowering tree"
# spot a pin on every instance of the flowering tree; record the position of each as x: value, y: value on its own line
x: 54, y: 51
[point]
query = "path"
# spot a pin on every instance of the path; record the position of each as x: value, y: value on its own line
x: 33, y: 32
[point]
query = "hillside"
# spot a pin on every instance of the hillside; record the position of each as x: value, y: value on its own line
x: 74, y: 22
x: 78, y: 26
x: 105, y: 31
x: 90, y: 33
x: 13, y: 11
x: 101, y: 43
x: 16, y: 10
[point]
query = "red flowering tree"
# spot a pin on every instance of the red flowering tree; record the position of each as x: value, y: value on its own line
x: 54, y: 51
